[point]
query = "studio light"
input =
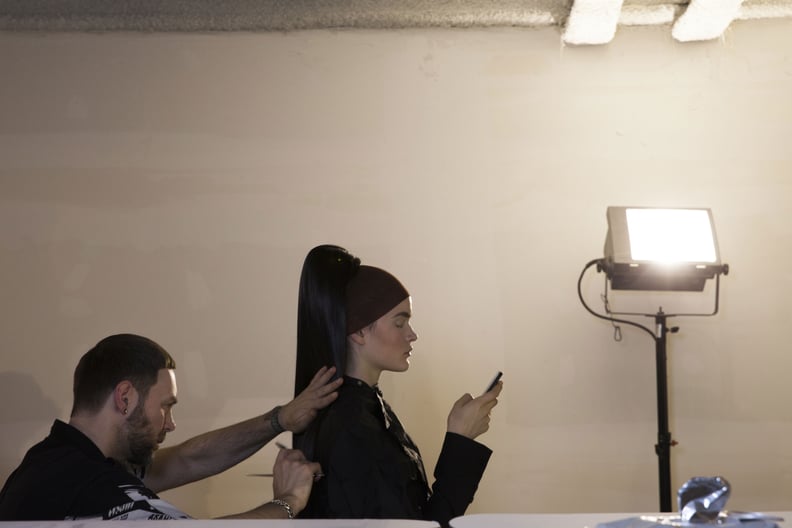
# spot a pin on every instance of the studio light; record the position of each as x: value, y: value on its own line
x: 658, y: 249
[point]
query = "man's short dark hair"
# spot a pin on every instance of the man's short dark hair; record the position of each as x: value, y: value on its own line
x: 114, y: 359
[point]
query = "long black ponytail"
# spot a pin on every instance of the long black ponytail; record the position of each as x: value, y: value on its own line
x: 321, y: 318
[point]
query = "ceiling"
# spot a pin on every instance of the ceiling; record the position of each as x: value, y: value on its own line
x: 580, y: 22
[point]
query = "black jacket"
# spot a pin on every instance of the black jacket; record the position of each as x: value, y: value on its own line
x: 373, y: 469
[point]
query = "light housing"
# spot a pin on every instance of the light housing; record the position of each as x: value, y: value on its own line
x: 661, y: 249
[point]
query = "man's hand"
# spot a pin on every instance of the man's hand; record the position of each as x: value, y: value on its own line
x: 293, y: 478
x: 470, y: 416
x: 298, y: 413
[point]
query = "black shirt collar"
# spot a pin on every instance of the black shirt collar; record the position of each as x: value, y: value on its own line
x: 68, y: 434
x: 349, y: 381
x: 64, y: 433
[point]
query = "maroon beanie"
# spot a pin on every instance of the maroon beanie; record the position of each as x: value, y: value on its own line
x: 370, y: 294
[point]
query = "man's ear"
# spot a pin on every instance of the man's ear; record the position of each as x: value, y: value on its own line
x: 359, y: 337
x: 125, y: 397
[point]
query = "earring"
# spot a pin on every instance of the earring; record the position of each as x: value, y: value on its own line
x: 124, y: 411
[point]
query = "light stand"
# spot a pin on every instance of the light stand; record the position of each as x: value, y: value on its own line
x: 626, y: 274
x: 664, y: 441
x: 660, y: 337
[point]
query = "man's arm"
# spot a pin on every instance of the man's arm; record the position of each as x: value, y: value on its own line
x: 293, y: 478
x: 218, y: 450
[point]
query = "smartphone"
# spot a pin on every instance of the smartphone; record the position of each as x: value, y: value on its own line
x: 494, y: 381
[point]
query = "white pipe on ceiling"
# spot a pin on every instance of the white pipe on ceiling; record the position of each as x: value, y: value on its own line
x: 592, y: 21
x: 705, y: 19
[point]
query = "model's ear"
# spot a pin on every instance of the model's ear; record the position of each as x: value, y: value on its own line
x: 359, y: 337
x: 125, y: 397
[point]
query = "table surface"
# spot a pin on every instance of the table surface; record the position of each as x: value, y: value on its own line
x: 240, y: 523
x: 476, y: 520
x: 573, y: 520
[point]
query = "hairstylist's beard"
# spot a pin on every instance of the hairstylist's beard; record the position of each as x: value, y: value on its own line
x: 140, y: 439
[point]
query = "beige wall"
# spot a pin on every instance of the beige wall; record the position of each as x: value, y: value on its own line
x: 170, y: 185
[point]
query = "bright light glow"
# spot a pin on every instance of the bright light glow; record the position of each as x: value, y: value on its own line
x: 670, y: 235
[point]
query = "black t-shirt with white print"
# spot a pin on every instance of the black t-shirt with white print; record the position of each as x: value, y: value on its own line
x: 66, y: 476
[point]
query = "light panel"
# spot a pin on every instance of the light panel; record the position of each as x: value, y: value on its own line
x: 650, y: 248
x: 671, y: 235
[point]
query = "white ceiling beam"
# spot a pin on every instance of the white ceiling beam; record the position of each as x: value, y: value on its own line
x: 705, y: 19
x: 774, y: 9
x: 592, y: 21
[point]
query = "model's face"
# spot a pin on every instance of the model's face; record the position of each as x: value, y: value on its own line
x: 152, y: 419
x: 388, y: 342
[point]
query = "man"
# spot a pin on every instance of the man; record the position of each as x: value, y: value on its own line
x: 103, y: 465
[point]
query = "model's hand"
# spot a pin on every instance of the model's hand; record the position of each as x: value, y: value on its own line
x: 470, y: 416
x: 293, y: 478
x: 298, y: 413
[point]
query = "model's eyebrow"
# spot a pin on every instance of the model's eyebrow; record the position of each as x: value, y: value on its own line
x: 403, y: 314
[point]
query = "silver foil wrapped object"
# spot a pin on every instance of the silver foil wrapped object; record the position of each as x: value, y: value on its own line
x: 701, y: 504
x: 701, y: 499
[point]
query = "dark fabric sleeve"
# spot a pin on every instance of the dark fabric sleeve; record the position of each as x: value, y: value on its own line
x: 117, y: 496
x: 457, y: 474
